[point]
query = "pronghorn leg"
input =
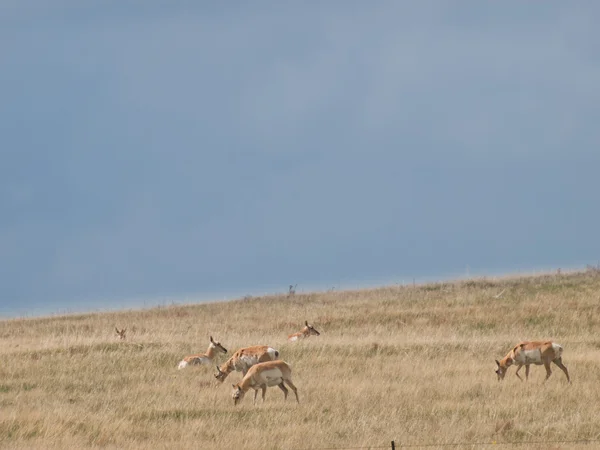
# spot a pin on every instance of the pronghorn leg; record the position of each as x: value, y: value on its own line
x: 291, y: 385
x: 527, y: 372
x: 284, y: 389
x: 264, y: 391
x: 548, y: 370
x: 517, y: 372
x: 558, y: 362
x: 255, y: 394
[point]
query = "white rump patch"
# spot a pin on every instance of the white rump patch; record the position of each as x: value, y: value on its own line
x: 294, y: 338
x: 182, y: 364
x: 557, y: 350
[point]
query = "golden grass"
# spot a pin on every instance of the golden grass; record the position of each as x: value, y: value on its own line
x: 412, y: 364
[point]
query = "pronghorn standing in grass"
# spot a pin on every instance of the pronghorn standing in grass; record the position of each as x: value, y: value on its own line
x: 245, y: 358
x: 304, y: 332
x: 264, y: 375
x: 121, y: 333
x: 535, y: 352
x: 203, y: 358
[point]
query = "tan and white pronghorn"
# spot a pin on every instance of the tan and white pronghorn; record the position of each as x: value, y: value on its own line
x: 304, y: 332
x: 121, y: 333
x: 245, y: 358
x: 535, y: 352
x: 264, y: 375
x: 203, y: 358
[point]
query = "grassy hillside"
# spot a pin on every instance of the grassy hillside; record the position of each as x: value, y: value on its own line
x: 413, y: 364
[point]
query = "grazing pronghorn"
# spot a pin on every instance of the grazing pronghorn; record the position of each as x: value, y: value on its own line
x: 203, y: 358
x: 245, y: 358
x: 536, y: 352
x: 264, y: 375
x: 304, y: 332
x: 121, y: 333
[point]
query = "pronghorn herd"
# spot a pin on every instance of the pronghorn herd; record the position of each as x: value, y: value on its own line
x: 261, y: 367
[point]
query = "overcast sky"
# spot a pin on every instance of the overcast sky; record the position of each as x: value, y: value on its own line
x: 183, y: 150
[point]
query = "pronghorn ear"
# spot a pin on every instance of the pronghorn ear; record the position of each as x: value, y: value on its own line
x: 498, y: 363
x: 211, y: 339
x: 306, y: 322
x: 233, y: 386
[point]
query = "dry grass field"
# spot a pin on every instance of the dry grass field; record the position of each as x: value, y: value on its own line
x: 410, y: 363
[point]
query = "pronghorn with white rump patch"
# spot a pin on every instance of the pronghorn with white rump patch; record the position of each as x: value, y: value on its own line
x: 535, y: 352
x: 264, y: 375
x: 245, y: 358
x: 304, y: 332
x: 203, y: 358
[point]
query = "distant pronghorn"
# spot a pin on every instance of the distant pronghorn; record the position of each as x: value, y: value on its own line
x: 245, y: 358
x: 536, y: 352
x: 304, y: 333
x: 203, y: 358
x: 264, y: 375
x: 121, y: 333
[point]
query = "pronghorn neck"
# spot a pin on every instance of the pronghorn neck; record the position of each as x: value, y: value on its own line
x: 227, y: 367
x: 305, y: 332
x: 210, y: 352
x: 245, y: 384
x: 508, y: 360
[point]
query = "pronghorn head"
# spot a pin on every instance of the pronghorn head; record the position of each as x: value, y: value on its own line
x: 237, y: 395
x: 121, y: 333
x: 220, y: 375
x: 309, y: 329
x: 503, y: 367
x: 217, y: 345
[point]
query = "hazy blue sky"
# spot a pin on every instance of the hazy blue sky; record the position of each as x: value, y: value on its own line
x: 174, y: 150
